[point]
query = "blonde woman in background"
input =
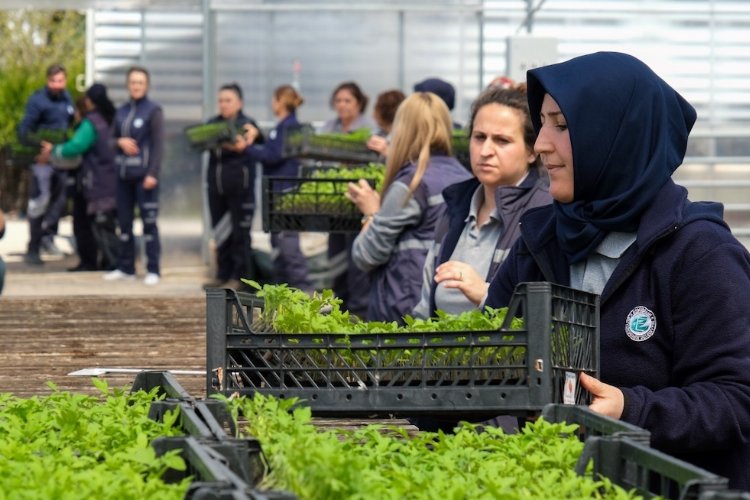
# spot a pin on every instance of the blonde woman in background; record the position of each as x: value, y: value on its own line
x: 399, y: 230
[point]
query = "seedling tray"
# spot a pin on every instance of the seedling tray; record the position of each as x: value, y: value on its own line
x: 308, y: 204
x: 463, y: 374
x: 303, y: 142
x: 210, y: 135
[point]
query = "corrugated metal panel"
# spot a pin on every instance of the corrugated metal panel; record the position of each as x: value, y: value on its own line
x: 378, y: 49
x: 380, y: 45
x: 169, y: 44
x: 699, y: 47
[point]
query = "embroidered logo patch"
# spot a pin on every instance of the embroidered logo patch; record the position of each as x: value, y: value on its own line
x: 138, y: 122
x: 641, y: 324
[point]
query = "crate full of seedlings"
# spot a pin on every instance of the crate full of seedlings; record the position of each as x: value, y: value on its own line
x: 304, y: 142
x: 211, y: 135
x: 513, y: 360
x: 316, y: 201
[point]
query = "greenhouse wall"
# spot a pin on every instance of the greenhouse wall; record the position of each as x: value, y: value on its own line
x: 192, y: 47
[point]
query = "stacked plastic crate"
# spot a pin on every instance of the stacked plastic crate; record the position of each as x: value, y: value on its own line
x: 525, y: 371
x: 222, y: 467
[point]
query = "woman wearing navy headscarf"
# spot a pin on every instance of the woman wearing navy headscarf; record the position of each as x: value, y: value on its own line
x: 674, y: 282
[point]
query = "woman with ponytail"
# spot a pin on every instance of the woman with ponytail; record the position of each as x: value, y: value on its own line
x: 398, y: 231
x: 289, y: 264
x: 98, y: 172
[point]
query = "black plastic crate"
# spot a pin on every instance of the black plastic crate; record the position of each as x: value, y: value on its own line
x: 16, y: 154
x: 462, y: 374
x: 212, y: 478
x: 649, y: 472
x: 303, y: 142
x: 308, y: 204
x: 166, y: 383
x: 206, y: 420
x: 594, y: 424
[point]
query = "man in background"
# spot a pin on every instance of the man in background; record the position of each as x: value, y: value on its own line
x: 48, y: 109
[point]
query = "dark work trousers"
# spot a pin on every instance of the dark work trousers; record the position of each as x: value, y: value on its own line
x: 289, y: 264
x: 104, y: 228
x: 82, y: 229
x: 130, y: 193
x: 231, y: 222
x: 350, y: 284
x: 47, y: 196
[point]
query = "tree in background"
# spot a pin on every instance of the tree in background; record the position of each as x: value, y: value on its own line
x: 31, y: 40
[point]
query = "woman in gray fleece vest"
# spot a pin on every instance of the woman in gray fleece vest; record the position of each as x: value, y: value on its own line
x: 398, y: 232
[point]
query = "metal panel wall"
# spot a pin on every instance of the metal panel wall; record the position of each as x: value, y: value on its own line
x: 169, y: 44
x: 701, y: 47
x: 193, y: 46
x: 318, y: 48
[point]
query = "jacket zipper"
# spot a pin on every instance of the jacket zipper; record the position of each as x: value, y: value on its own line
x: 126, y: 133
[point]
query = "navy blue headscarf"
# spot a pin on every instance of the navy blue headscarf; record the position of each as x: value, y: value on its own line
x: 628, y: 132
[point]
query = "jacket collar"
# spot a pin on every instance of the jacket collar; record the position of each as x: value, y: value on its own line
x: 510, y: 199
x: 670, y: 211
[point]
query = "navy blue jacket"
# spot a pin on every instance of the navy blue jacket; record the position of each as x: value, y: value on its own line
x: 231, y: 173
x: 45, y: 110
x: 689, y: 384
x: 98, y: 166
x: 511, y: 202
x: 270, y: 154
x: 142, y: 120
x: 675, y: 321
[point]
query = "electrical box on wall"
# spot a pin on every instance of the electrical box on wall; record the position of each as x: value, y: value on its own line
x: 527, y: 52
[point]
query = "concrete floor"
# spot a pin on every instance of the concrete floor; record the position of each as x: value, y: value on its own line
x: 183, y: 268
